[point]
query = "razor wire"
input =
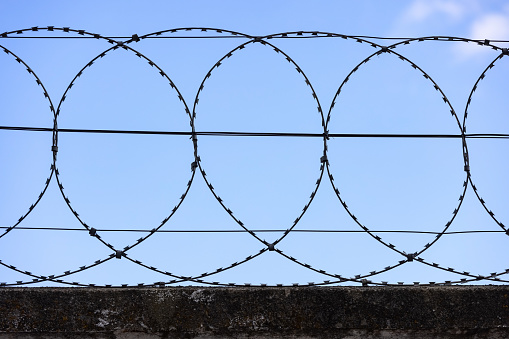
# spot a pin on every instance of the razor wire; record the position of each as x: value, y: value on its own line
x: 197, y: 166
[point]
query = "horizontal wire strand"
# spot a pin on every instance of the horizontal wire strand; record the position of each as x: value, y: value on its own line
x: 433, y: 38
x: 243, y: 231
x: 257, y: 134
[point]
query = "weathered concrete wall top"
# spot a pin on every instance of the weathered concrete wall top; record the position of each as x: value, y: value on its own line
x: 314, y: 312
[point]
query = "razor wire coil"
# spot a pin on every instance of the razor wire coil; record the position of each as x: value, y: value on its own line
x: 325, y: 167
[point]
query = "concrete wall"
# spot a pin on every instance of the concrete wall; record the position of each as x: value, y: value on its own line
x: 304, y: 312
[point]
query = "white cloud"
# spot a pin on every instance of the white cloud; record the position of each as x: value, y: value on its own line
x: 478, y: 19
x: 422, y: 10
x: 491, y: 26
x: 430, y: 17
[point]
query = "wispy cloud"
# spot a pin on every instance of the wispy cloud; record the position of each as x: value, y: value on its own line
x: 421, y: 10
x: 473, y: 19
x: 492, y: 26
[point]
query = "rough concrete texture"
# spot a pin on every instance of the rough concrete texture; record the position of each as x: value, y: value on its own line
x: 311, y: 312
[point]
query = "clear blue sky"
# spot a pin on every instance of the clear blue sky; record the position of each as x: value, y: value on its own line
x: 133, y: 181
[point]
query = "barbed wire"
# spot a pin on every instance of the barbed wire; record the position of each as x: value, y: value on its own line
x: 197, y: 166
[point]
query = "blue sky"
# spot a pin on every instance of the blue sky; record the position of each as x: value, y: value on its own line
x: 119, y: 181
